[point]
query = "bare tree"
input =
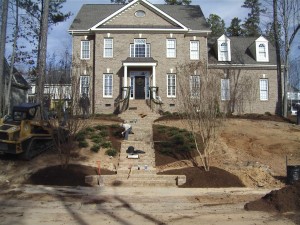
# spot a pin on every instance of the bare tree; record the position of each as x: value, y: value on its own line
x: 42, y: 55
x: 199, y: 95
x: 2, y: 51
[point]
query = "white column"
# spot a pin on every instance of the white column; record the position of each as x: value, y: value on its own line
x: 125, y: 81
x: 154, y: 80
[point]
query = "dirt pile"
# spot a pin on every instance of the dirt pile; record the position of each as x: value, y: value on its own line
x: 197, y: 177
x: 286, y: 199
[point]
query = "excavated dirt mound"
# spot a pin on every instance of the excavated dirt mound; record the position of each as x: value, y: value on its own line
x: 284, y: 200
x: 73, y: 175
x: 197, y: 177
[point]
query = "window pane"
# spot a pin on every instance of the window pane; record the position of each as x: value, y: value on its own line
x: 85, y: 49
x: 194, y: 50
x: 263, y: 89
x: 171, y: 85
x: 195, y: 85
x: 171, y: 48
x: 108, y: 47
x: 84, y: 84
x: 225, y: 89
x: 108, y: 85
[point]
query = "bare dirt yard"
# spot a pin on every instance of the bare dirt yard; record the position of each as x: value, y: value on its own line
x: 252, y: 152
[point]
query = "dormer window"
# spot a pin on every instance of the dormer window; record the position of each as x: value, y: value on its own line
x: 261, y: 49
x: 223, y: 49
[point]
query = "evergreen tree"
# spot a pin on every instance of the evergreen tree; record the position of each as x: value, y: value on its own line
x: 235, y: 28
x: 178, y: 2
x: 216, y: 24
x: 251, y: 25
x: 121, y: 1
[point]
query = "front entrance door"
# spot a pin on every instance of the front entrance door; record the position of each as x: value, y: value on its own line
x: 140, y: 87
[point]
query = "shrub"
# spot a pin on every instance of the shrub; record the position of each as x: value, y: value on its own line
x: 106, y: 144
x: 174, y: 132
x: 100, y: 127
x: 178, y: 139
x: 89, y: 129
x: 97, y: 140
x: 165, y: 151
x: 80, y: 136
x: 95, y: 148
x: 104, y: 133
x: 114, y: 126
x: 83, y: 144
x: 111, y: 152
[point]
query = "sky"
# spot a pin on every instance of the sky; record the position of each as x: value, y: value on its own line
x: 59, y: 38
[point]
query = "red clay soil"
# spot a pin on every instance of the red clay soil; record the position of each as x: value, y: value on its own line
x: 73, y: 175
x: 197, y: 177
x: 286, y: 199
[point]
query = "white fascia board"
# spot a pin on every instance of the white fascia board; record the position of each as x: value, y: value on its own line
x: 78, y: 31
x: 139, y: 29
x: 139, y: 64
x: 129, y: 5
x: 241, y: 65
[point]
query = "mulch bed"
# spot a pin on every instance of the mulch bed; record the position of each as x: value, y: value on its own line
x: 197, y: 177
x: 73, y: 175
x: 286, y: 199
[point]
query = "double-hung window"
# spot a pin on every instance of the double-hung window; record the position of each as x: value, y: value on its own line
x: 171, y: 85
x: 194, y: 50
x: 171, y: 48
x: 84, y: 84
x: 262, y: 53
x: 108, y: 48
x: 85, y: 50
x: 224, y: 51
x: 195, y: 85
x: 225, y: 89
x: 107, y: 85
x: 140, y: 48
x: 263, y: 89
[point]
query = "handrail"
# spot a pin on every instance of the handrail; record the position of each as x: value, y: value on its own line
x: 152, y: 89
x: 125, y: 100
x: 126, y: 97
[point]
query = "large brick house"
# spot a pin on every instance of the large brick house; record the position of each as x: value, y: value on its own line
x: 139, y: 45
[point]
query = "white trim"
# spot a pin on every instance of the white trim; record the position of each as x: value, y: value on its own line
x: 129, y: 5
x: 138, y: 29
x: 198, y: 49
x: 225, y: 89
x: 139, y: 64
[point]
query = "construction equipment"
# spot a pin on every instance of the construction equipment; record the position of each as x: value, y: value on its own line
x: 23, y: 134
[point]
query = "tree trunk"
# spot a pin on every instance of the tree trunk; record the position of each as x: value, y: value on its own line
x: 42, y: 56
x: 2, y: 53
x: 278, y: 57
x: 8, y: 95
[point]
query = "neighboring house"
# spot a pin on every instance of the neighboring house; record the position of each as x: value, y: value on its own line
x: 139, y: 45
x: 19, y: 86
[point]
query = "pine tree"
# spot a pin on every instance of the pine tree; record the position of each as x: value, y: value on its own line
x: 121, y: 1
x: 216, y: 24
x: 251, y: 25
x: 235, y: 28
x: 178, y: 2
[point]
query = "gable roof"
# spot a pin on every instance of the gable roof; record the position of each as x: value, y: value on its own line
x: 91, y: 15
x: 240, y: 52
x: 18, y: 80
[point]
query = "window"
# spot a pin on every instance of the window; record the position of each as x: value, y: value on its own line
x: 171, y: 85
x: 194, y: 50
x: 263, y: 89
x: 107, y: 85
x: 108, y: 48
x: 140, y: 13
x: 84, y: 84
x: 262, y: 54
x: 171, y: 48
x: 85, y: 50
x: 140, y: 48
x: 224, y: 52
x: 195, y: 85
x: 225, y: 89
